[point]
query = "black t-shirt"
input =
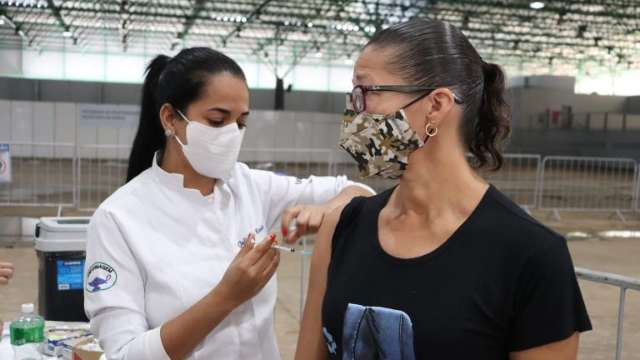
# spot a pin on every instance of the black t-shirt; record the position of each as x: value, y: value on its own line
x: 501, y: 283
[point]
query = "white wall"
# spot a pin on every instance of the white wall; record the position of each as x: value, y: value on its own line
x: 528, y: 102
x: 23, y: 123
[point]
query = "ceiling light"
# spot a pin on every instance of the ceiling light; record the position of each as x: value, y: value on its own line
x: 536, y: 5
x: 319, y: 54
x: 1, y: 21
x: 67, y: 34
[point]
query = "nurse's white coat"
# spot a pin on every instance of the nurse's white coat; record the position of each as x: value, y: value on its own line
x: 169, y: 246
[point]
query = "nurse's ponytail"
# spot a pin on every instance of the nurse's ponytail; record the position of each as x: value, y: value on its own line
x: 150, y: 136
x: 177, y: 81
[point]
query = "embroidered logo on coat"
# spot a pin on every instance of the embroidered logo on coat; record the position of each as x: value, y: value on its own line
x: 100, y: 276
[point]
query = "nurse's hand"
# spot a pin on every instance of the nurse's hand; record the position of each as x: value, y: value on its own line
x: 308, y: 219
x: 6, y: 272
x: 250, y: 271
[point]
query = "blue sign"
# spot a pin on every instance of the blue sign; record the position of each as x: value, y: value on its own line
x: 70, y: 274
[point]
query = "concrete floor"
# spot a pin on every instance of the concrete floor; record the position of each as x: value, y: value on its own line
x: 616, y: 255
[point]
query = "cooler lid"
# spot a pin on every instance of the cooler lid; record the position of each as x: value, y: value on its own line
x: 61, y: 234
x: 65, y: 224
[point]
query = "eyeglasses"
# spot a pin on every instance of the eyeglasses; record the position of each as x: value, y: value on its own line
x: 357, y: 98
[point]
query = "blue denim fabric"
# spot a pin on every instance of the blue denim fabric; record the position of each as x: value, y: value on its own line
x: 376, y: 333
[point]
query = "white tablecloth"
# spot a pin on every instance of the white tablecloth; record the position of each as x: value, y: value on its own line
x: 6, y: 351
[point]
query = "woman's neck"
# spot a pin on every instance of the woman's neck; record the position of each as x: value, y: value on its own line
x: 437, y: 184
x: 174, y: 161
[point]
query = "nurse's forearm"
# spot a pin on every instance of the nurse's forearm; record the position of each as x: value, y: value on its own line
x: 347, y: 194
x: 182, y: 334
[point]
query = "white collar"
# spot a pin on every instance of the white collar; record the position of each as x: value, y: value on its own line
x: 175, y: 181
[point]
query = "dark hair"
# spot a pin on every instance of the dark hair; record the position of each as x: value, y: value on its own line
x: 436, y: 54
x: 177, y: 81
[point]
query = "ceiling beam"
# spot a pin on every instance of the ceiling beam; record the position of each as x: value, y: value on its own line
x: 190, y: 19
x: 253, y: 15
x: 18, y: 29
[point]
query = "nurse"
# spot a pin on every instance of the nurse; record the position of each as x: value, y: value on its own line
x: 168, y: 275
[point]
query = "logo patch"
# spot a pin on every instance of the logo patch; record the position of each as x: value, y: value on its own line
x: 100, y: 276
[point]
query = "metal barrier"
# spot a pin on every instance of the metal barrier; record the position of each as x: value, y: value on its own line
x: 288, y: 161
x: 66, y: 174
x: 588, y: 184
x: 638, y: 190
x: 43, y: 174
x: 621, y: 282
x: 518, y: 178
x: 102, y: 169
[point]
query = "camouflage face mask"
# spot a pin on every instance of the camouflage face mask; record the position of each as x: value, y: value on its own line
x: 380, y: 144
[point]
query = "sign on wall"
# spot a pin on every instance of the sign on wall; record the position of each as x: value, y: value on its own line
x: 5, y: 163
x: 106, y: 115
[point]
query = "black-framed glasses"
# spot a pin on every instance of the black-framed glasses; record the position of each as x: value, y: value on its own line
x: 358, y: 96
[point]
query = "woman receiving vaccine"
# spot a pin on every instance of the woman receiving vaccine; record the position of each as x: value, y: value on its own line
x: 443, y: 265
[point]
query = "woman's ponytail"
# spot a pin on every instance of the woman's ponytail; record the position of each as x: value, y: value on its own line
x: 150, y: 135
x: 492, y: 126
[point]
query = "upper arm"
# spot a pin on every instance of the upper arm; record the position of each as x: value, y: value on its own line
x: 548, y: 305
x: 280, y: 192
x: 566, y: 349
x: 114, y: 301
x: 310, y: 341
x: 122, y: 286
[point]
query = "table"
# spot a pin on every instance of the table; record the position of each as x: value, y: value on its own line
x: 6, y: 351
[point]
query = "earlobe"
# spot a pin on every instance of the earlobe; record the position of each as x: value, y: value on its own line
x: 167, y: 119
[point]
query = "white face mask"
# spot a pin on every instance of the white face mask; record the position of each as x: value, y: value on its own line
x: 212, y: 152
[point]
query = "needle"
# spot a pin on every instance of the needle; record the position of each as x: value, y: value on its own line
x: 283, y: 248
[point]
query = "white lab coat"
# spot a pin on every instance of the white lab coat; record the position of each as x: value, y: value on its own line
x: 154, y: 248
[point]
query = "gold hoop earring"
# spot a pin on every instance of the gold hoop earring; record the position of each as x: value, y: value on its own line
x: 431, y: 130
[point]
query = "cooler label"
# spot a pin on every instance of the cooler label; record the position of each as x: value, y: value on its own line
x: 70, y: 274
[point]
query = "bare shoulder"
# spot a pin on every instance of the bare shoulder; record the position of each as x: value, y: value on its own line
x: 326, y: 231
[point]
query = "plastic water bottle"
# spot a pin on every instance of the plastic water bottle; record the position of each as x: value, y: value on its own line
x: 27, y: 335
